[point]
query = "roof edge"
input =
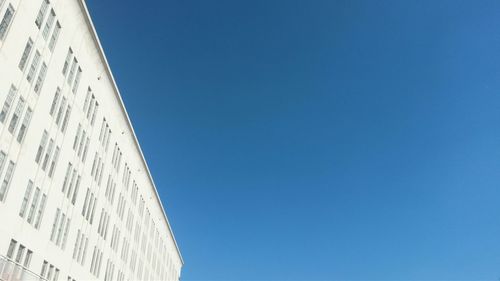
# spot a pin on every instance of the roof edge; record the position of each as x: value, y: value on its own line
x: 88, y: 19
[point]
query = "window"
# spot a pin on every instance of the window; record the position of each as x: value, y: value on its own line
x: 12, y: 248
x: 5, y: 23
x: 54, y: 162
x: 77, y: 80
x: 41, y: 13
x: 33, y: 206
x: 48, y: 154
x: 66, y: 118
x: 84, y: 157
x: 55, y: 101
x: 34, y: 66
x: 66, y: 177
x: 41, y: 78
x: 27, y: 197
x: 72, y: 71
x: 61, y: 111
x: 17, y: 115
x: 77, y: 136
x: 26, y: 54
x: 6, y: 180
x: 40, y: 211
x: 54, y: 225
x: 82, y: 142
x: 69, y: 56
x: 73, y: 200
x: 24, y: 125
x: 48, y: 25
x: 41, y: 148
x: 54, y: 37
x: 87, y: 98
x: 27, y: 259
x: 95, y: 113
x: 8, y: 103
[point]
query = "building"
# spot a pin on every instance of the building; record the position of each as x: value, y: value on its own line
x: 77, y: 201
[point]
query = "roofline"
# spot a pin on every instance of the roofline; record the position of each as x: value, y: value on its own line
x: 83, y: 5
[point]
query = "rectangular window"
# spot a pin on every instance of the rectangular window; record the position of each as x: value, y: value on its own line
x: 5, y: 23
x: 34, y: 204
x: 41, y: 78
x: 55, y: 36
x: 33, y: 67
x: 54, y: 162
x: 26, y: 54
x: 72, y: 71
x: 12, y: 248
x: 6, y: 180
x: 48, y: 154
x: 61, y: 111
x: 41, y: 147
x: 8, y: 103
x: 77, y: 80
x: 87, y: 98
x: 66, y: 118
x: 27, y: 260
x: 66, y: 178
x: 82, y: 143
x: 77, y: 136
x: 16, y: 115
x: 27, y: 197
x: 44, y: 268
x: 77, y: 187
x: 54, y: 225
x: 40, y: 211
x: 41, y: 13
x: 24, y: 125
x: 65, y: 236
x: 69, y: 56
x: 55, y: 101
x: 95, y: 113
x: 48, y: 25
x: 84, y: 156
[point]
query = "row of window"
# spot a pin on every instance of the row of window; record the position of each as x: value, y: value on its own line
x: 110, y: 190
x: 7, y: 177
x: 49, y: 271
x: 102, y: 230
x: 51, y: 19
x: 71, y: 183
x: 73, y: 73
x: 105, y: 134
x: 80, y: 249
x: 89, y: 206
x: 95, y: 264
x: 60, y: 109
x: 35, y: 201
x: 51, y: 152
x: 16, y: 115
x: 60, y: 229
x: 97, y: 169
x: 42, y: 73
x: 6, y: 20
x: 82, y: 140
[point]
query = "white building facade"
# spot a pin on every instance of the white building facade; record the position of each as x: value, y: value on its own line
x: 77, y: 201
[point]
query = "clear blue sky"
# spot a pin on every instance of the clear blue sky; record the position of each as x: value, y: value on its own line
x: 318, y: 140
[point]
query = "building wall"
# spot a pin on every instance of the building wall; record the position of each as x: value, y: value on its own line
x: 97, y: 181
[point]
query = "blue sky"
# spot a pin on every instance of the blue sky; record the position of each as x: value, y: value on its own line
x: 318, y: 140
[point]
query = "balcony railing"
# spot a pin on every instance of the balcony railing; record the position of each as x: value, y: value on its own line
x: 12, y: 271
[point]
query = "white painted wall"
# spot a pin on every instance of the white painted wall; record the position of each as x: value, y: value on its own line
x: 77, y: 32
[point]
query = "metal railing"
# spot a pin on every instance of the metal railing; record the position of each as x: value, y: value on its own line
x: 12, y: 271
